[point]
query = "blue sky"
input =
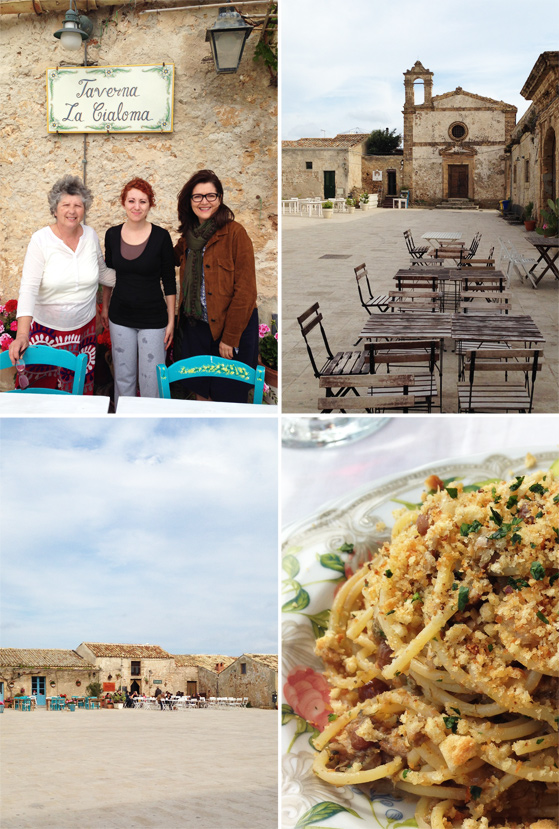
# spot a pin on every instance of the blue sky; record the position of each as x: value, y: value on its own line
x: 139, y: 530
x: 343, y: 63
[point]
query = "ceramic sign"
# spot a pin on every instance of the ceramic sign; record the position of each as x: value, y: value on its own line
x: 110, y: 98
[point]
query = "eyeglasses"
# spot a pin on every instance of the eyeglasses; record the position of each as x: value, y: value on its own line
x: 23, y: 379
x: 210, y: 197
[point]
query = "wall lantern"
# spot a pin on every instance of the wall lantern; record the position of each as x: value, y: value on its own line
x: 76, y: 28
x: 227, y: 39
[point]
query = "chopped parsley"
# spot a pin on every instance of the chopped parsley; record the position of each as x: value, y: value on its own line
x: 537, y: 571
x: 474, y: 527
x: 451, y: 723
x: 463, y: 594
x: 539, y: 741
x: 332, y: 717
x: 512, y: 502
x: 532, y: 545
x: 538, y: 488
x: 452, y: 492
x: 390, y: 612
x: 496, y: 517
x: 542, y: 618
x: 475, y: 792
x: 496, y: 498
x: 457, y: 710
x: 516, y: 538
x: 416, y: 598
x: 539, y: 514
x: 346, y: 548
x: 556, y: 499
x: 405, y: 773
x: 490, y: 647
x: 388, y: 574
x: 517, y: 484
x: 553, y: 578
x: 505, y: 528
x: 455, y: 586
x: 517, y: 584
x: 556, y: 531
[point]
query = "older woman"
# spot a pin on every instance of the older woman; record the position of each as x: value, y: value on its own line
x: 217, y: 303
x: 141, y: 315
x: 61, y: 273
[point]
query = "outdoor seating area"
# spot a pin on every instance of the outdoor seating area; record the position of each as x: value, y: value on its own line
x: 449, y: 335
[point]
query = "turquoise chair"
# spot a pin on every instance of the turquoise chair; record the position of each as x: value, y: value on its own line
x: 208, y: 366
x: 48, y: 356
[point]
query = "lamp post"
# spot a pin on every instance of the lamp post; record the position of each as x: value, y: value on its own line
x: 76, y: 29
x: 227, y: 38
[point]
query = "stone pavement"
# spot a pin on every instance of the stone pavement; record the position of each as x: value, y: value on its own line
x: 376, y: 238
x: 103, y: 769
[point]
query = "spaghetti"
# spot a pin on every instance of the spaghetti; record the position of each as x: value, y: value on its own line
x: 442, y: 655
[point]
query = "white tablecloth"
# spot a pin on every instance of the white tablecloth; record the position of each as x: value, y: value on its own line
x: 53, y: 404
x: 313, y: 477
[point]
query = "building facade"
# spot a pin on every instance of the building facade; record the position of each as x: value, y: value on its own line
x: 533, y: 156
x: 251, y: 675
x: 224, y: 122
x: 454, y: 143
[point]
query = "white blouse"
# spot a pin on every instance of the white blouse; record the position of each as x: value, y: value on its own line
x: 58, y: 285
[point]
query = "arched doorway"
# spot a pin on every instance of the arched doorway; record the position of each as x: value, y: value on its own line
x: 135, y: 686
x: 549, y: 172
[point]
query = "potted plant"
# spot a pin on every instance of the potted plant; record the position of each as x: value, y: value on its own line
x: 327, y: 209
x: 549, y: 219
x: 529, y: 222
x: 364, y: 201
x: 268, y: 357
x: 119, y: 699
x: 350, y: 203
x: 8, y: 331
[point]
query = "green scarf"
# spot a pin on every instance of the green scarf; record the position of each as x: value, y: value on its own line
x: 196, y: 240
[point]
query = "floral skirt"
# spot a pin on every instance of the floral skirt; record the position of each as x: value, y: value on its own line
x: 80, y: 340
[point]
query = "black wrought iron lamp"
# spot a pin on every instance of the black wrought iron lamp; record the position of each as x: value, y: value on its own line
x: 227, y: 39
x: 76, y: 29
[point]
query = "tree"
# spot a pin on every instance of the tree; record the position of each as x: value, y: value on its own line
x: 383, y: 142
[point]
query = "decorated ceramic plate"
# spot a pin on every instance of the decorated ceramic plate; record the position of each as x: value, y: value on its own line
x: 318, y: 555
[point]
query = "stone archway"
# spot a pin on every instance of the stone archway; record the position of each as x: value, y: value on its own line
x: 549, y: 172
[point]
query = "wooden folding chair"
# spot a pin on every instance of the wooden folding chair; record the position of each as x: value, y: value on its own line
x: 485, y: 301
x: 403, y: 355
x: 500, y: 396
x: 368, y: 301
x: 345, y: 365
x: 382, y: 392
x: 415, y: 252
x: 415, y: 300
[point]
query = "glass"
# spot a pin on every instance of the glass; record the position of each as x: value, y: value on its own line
x: 307, y: 432
x: 210, y: 197
x: 23, y: 379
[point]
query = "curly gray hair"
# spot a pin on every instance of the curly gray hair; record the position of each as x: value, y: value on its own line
x: 70, y: 186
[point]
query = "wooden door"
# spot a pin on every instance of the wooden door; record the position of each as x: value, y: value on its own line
x: 391, y: 183
x: 457, y: 181
x: 329, y: 184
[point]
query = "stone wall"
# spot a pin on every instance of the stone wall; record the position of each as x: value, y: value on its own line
x: 65, y: 681
x: 373, y: 163
x: 299, y: 182
x: 258, y: 683
x: 227, y: 123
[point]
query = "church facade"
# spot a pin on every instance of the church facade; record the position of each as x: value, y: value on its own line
x: 454, y: 143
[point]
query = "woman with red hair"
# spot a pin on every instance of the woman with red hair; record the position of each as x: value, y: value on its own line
x: 140, y: 310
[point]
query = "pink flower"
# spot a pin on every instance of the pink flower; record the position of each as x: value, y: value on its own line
x: 309, y: 695
x: 266, y: 388
x: 13, y: 326
x: 2, y: 308
x: 5, y: 342
x: 263, y: 330
x: 276, y: 335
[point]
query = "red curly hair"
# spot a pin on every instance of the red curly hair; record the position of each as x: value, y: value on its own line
x: 138, y: 184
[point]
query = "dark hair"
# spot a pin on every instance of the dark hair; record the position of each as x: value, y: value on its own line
x: 142, y: 186
x: 187, y: 218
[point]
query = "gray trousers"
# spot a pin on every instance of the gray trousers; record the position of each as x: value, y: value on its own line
x: 136, y: 353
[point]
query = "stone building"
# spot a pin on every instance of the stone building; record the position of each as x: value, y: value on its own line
x: 326, y: 168
x: 225, y: 122
x: 533, y: 149
x: 141, y: 668
x: 454, y: 143
x: 251, y: 675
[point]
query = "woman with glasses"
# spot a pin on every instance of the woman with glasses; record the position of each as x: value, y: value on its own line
x: 140, y: 311
x: 61, y: 274
x: 217, y: 299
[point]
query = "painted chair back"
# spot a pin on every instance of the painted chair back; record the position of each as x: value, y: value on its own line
x: 209, y: 366
x: 47, y: 356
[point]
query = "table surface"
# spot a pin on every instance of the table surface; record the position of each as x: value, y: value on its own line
x: 161, y: 406
x: 449, y: 274
x: 53, y: 404
x: 419, y: 325
x: 442, y: 235
x: 313, y: 477
x: 495, y: 327
x: 542, y: 241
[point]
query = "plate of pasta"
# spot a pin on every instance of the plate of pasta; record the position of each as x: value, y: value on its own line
x: 420, y: 655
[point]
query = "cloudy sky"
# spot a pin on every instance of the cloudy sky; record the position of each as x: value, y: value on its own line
x: 343, y: 63
x: 157, y: 531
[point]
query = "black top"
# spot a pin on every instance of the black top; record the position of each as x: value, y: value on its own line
x: 137, y: 300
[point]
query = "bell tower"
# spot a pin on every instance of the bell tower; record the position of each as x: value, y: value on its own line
x: 413, y: 76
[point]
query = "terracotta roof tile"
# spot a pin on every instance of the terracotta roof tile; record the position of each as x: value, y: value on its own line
x: 339, y: 141
x: 41, y: 658
x: 127, y: 651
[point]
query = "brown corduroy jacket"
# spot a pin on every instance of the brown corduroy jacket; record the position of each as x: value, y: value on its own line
x: 230, y: 279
